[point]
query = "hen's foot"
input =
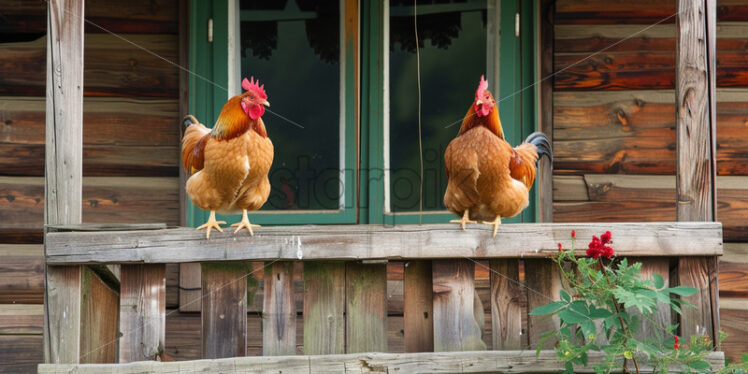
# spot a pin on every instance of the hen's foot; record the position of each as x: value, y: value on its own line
x: 463, y: 221
x: 211, y: 224
x: 495, y: 224
x: 245, y: 224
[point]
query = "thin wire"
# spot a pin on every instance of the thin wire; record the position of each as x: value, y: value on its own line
x: 575, y: 64
x: 515, y: 281
x: 420, y: 137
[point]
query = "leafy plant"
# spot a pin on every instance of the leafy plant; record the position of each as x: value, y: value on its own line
x: 605, y: 307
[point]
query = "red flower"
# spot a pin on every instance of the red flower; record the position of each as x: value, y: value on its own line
x: 605, y: 238
x: 560, y: 247
x: 676, y: 345
x: 573, y: 234
x: 576, y: 295
x: 598, y: 247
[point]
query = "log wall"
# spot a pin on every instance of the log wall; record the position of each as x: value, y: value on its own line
x: 614, y: 126
x: 130, y: 144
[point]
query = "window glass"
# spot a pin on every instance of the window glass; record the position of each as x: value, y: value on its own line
x: 293, y: 48
x: 452, y: 40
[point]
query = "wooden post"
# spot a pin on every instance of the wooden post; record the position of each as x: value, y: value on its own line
x: 506, y: 310
x: 324, y: 308
x: 366, y: 307
x: 224, y: 309
x: 142, y: 312
x: 545, y: 168
x: 455, y: 328
x: 694, y: 101
x: 279, y: 311
x: 418, y: 308
x: 543, y: 280
x: 99, y: 305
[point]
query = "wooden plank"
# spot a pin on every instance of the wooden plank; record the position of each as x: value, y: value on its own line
x: 279, y: 311
x: 99, y: 313
x: 121, y: 136
x: 190, y: 290
x: 545, y: 189
x: 633, y: 132
x: 22, y: 269
x: 113, y: 199
x: 663, y: 314
x: 324, y: 308
x: 224, y: 309
x: 366, y: 307
x: 62, y: 322
x: 733, y: 279
x: 455, y: 327
x: 142, y: 312
x: 694, y: 272
x: 172, y: 286
x: 506, y: 308
x: 418, y: 308
x: 21, y: 319
x: 147, y: 17
x: 734, y: 321
x: 21, y: 353
x: 347, y: 242
x: 113, y: 67
x: 543, y: 281
x: 437, y: 362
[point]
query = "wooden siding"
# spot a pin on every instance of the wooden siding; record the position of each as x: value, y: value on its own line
x: 614, y: 126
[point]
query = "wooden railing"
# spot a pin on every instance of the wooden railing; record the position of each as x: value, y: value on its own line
x: 345, y: 293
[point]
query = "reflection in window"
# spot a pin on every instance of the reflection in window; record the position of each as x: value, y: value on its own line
x: 452, y: 41
x: 293, y: 47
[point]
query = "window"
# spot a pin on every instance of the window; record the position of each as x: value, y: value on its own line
x: 306, y: 52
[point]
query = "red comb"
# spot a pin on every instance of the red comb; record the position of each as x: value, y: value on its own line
x: 481, y: 87
x: 254, y: 86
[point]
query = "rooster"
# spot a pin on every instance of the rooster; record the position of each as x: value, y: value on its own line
x: 487, y: 178
x: 230, y: 163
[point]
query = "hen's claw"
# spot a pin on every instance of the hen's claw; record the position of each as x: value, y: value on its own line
x: 495, y: 224
x: 245, y: 224
x: 464, y: 220
x: 211, y: 224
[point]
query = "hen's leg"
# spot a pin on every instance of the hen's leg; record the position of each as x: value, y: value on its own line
x: 211, y: 224
x: 495, y: 224
x: 244, y: 224
x: 465, y: 219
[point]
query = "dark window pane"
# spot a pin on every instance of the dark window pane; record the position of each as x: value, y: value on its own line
x: 452, y: 39
x: 293, y: 47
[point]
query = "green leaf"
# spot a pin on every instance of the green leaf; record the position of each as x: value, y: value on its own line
x: 569, y: 367
x: 596, y: 313
x: 744, y: 358
x: 699, y: 365
x: 565, y: 296
x: 658, y: 281
x: 682, y: 290
x: 589, y: 330
x: 580, y: 307
x: 572, y: 317
x: 549, y: 308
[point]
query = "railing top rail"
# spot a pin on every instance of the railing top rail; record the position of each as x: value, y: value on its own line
x: 376, y: 242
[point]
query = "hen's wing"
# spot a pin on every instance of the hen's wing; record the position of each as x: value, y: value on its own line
x: 461, y: 162
x: 193, y: 144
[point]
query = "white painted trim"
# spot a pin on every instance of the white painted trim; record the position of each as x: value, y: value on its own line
x: 234, y: 61
x: 343, y: 95
x: 386, y: 104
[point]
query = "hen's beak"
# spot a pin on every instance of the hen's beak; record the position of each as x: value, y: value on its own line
x: 264, y: 102
x: 478, y: 102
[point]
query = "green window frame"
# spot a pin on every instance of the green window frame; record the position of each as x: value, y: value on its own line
x: 364, y: 80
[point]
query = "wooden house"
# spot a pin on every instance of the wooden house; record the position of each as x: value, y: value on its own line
x: 598, y: 76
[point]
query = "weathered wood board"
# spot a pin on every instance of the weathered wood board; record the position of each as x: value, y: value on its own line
x: 21, y: 274
x: 366, y: 307
x: 506, y: 304
x: 224, y: 309
x: 279, y: 311
x: 324, y: 307
x: 418, y: 308
x: 455, y: 326
x: 142, y: 312
x: 377, y: 242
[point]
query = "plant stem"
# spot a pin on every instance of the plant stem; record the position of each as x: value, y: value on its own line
x: 626, y: 331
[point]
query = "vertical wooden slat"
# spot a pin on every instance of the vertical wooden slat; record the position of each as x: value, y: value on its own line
x: 694, y: 182
x: 545, y: 167
x: 189, y: 287
x: 418, y: 312
x: 279, y: 311
x: 142, y: 311
x: 366, y: 307
x: 99, y: 309
x: 224, y: 309
x: 663, y: 314
x: 63, y: 176
x: 543, y: 280
x: 324, y: 308
x: 455, y: 328
x: 506, y: 309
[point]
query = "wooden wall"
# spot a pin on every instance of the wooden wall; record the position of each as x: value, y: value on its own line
x: 614, y: 127
x: 130, y: 144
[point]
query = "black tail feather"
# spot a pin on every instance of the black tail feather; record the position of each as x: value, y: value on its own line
x: 542, y: 143
x: 189, y: 120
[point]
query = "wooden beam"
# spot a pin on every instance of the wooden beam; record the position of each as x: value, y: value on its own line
x: 366, y: 307
x: 441, y: 362
x: 64, y: 173
x: 142, y: 312
x: 695, y: 182
x: 279, y: 310
x: 367, y: 242
x: 324, y: 307
x: 418, y: 308
x: 455, y: 326
x: 224, y: 310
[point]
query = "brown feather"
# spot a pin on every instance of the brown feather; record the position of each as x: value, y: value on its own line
x: 193, y: 147
x: 522, y: 163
